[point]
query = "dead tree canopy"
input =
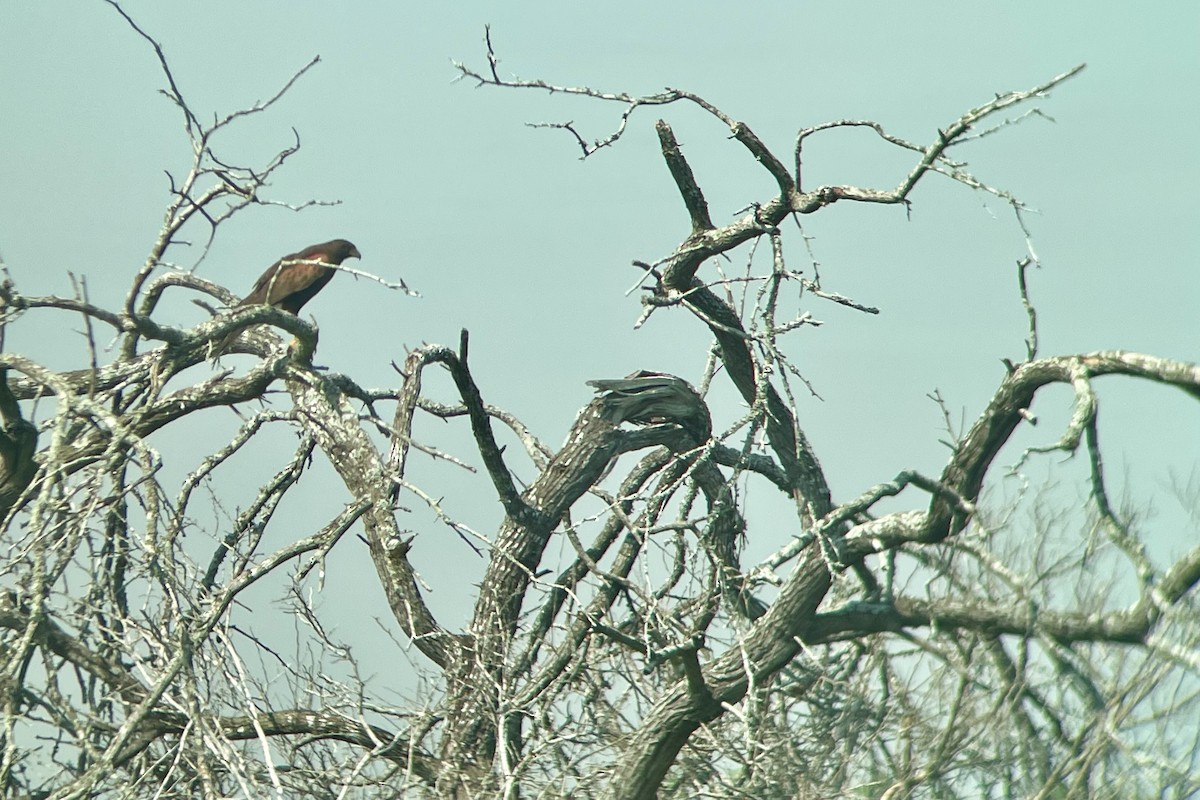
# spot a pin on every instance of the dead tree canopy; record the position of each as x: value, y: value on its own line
x: 917, y: 639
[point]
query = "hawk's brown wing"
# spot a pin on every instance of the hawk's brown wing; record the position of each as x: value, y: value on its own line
x: 293, y: 280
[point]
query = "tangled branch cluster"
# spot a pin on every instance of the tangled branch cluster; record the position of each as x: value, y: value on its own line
x: 887, y: 652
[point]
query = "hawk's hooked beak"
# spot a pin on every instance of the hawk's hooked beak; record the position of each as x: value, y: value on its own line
x: 354, y: 253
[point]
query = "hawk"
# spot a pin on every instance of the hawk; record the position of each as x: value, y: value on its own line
x: 653, y: 398
x: 295, y: 279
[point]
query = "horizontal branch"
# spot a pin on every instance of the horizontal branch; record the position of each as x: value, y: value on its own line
x: 1132, y: 625
x: 310, y: 724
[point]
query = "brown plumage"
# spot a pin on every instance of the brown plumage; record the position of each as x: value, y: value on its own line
x: 295, y: 279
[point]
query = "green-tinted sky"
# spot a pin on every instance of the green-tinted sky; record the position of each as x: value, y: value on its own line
x: 506, y: 232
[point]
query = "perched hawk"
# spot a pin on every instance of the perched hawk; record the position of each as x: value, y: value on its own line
x: 654, y: 398
x: 295, y: 279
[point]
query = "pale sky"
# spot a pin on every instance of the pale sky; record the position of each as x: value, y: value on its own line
x: 503, y: 230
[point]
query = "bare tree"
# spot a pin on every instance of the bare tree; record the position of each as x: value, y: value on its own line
x: 944, y: 650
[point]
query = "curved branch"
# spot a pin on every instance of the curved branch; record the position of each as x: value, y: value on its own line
x: 1129, y: 626
x: 481, y: 426
x: 338, y: 430
x: 311, y: 724
x: 967, y: 468
x: 485, y: 440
